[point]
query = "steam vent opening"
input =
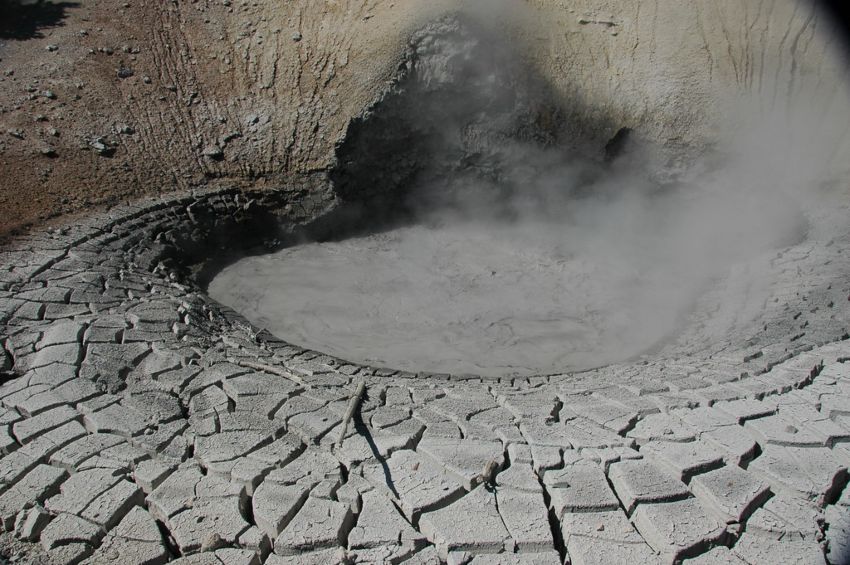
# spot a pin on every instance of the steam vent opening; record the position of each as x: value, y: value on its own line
x: 479, y: 230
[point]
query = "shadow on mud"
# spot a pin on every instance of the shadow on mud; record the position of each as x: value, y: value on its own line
x: 20, y: 20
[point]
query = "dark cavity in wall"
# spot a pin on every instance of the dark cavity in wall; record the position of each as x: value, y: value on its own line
x: 461, y: 100
x: 618, y: 145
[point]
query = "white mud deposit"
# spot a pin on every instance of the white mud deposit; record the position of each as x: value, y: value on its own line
x: 459, y: 299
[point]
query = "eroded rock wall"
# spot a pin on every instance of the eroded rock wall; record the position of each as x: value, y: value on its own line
x: 113, y: 100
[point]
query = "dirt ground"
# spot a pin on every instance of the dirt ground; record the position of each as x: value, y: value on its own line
x: 105, y: 101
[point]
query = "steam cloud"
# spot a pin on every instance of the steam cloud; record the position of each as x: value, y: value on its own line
x: 522, y: 255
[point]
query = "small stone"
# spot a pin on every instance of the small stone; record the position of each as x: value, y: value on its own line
x: 49, y: 94
x: 296, y: 37
x: 212, y: 542
x: 213, y: 152
x: 124, y: 72
x: 52, y: 48
x: 102, y: 147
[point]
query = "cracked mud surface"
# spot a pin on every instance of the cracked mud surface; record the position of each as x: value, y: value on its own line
x: 144, y: 422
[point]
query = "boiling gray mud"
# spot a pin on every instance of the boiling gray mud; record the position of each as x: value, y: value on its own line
x: 471, y: 298
x: 535, y: 285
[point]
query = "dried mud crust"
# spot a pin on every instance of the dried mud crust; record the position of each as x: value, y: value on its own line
x: 132, y: 427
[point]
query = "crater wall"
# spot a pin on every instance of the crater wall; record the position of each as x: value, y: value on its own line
x: 112, y: 100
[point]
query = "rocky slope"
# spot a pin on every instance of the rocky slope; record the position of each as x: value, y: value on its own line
x: 107, y: 100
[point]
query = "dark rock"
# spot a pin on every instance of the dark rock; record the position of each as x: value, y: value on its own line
x: 102, y: 147
x: 213, y: 152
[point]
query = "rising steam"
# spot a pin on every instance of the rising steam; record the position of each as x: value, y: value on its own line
x: 502, y: 248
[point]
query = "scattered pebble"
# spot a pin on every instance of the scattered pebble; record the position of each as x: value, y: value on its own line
x: 102, y: 148
x: 213, y: 152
